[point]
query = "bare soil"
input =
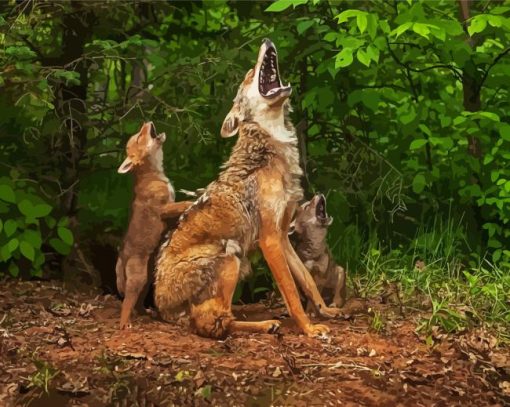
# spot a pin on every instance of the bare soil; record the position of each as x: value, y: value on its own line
x: 60, y: 347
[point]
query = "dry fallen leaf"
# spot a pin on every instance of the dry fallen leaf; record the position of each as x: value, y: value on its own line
x: 505, y: 387
x: 277, y: 372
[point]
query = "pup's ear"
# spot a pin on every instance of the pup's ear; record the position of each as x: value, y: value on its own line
x: 126, y: 166
x: 292, y: 227
x: 330, y: 220
x: 230, y: 125
x: 296, y: 225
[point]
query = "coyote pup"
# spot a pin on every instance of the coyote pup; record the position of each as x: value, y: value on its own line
x: 308, y: 236
x: 153, y: 202
x: 252, y: 201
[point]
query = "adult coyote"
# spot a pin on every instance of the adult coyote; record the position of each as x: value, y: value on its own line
x: 252, y: 200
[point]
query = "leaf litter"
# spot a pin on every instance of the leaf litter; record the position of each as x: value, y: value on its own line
x: 63, y: 347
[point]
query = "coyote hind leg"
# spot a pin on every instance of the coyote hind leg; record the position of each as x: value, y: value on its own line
x: 213, y: 317
x: 136, y: 280
x: 120, y: 272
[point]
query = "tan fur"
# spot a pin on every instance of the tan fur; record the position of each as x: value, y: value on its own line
x: 309, y: 240
x: 252, y: 200
x: 153, y: 202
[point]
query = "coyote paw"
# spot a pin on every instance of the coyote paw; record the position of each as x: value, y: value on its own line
x: 314, y: 330
x: 329, y: 312
x: 272, y: 326
x: 125, y: 326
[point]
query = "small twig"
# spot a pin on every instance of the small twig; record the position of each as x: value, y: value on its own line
x: 339, y: 365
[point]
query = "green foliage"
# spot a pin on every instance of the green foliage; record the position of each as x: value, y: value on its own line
x: 43, y: 375
x: 28, y: 229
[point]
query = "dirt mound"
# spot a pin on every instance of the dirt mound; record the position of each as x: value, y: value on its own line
x: 62, y: 348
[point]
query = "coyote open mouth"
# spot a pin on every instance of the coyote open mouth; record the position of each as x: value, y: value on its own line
x: 320, y: 209
x: 270, y: 84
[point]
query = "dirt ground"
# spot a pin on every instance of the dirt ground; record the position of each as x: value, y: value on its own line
x: 61, y: 348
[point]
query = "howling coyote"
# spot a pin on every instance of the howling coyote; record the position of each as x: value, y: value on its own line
x: 252, y: 201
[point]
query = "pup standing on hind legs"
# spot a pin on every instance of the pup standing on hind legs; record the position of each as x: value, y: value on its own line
x: 153, y: 202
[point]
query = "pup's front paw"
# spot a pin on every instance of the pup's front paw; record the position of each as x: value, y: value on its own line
x: 272, y: 326
x: 329, y: 312
x: 315, y: 330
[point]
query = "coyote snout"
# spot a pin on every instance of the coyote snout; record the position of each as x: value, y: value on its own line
x: 153, y: 201
x: 261, y: 94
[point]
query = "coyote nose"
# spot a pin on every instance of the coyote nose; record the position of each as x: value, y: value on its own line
x: 267, y: 42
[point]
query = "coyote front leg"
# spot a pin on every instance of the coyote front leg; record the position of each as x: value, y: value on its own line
x: 307, y: 283
x: 174, y: 209
x: 272, y: 246
x: 339, y: 297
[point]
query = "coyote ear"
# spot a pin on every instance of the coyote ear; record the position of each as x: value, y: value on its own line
x: 126, y: 166
x: 230, y: 125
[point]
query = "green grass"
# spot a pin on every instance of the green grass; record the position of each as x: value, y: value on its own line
x: 434, y: 273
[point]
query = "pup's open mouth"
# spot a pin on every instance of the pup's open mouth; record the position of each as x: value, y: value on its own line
x: 161, y: 137
x: 270, y: 84
x: 320, y: 208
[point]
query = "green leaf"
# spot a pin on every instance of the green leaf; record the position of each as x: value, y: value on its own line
x: 26, y: 208
x: 500, y: 10
x: 331, y: 36
x: 419, y: 183
x: 416, y: 144
x: 10, y: 227
x: 27, y: 250
x: 1, y: 225
x: 60, y: 246
x: 33, y: 211
x: 409, y: 117
x: 373, y: 53
x: 489, y: 115
x: 41, y: 210
x: 363, y: 57
x: 421, y: 29
x: 504, y: 131
x: 345, y: 15
x: 50, y: 221
x: 7, y: 194
x: 302, y: 26
x: 13, y: 270
x: 477, y: 24
x: 344, y: 58
x: 281, y: 5
x: 361, y: 21
x: 204, y: 392
x: 495, y: 21
x: 13, y: 244
x: 401, y: 29
x: 5, y: 253
x: 66, y: 235
x: 33, y: 237
x: 425, y: 129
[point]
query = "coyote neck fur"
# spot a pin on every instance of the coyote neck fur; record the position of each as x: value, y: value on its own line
x: 256, y: 147
x: 152, y: 173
